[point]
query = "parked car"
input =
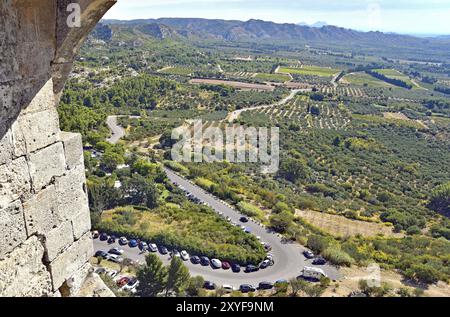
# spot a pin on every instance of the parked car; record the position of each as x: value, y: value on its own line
x: 133, y: 243
x: 265, y: 285
x: 195, y: 259
x: 227, y: 288
x: 236, y: 268
x: 103, y: 237
x: 205, y: 261
x: 112, y: 273
x: 281, y: 282
x: 264, y: 264
x: 95, y: 234
x: 123, y: 241
x: 209, y: 285
x: 216, y: 264
x: 175, y: 253
x: 319, y: 261
x: 312, y: 273
x: 226, y: 265
x: 112, y: 239
x: 251, y: 268
x: 116, y: 251
x: 101, y: 254
x: 308, y: 254
x: 100, y: 270
x: 163, y: 250
x: 123, y: 281
x: 243, y: 219
x: 143, y: 246
x: 153, y: 247
x: 115, y: 258
x: 267, y: 247
x: 132, y: 283
x: 184, y: 255
x: 246, y: 288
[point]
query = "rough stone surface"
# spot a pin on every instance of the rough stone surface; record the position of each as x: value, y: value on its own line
x: 70, y: 191
x: 81, y: 223
x: 39, y: 129
x: 14, y: 181
x: 44, y: 213
x: 57, y: 240
x: 22, y: 273
x: 69, y: 262
x: 12, y: 228
x: 73, y: 149
x: 6, y: 148
x: 41, y: 212
x: 46, y: 165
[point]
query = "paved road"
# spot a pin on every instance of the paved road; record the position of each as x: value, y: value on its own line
x: 235, y: 114
x: 117, y: 132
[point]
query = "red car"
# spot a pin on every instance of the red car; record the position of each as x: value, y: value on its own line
x: 123, y: 281
x: 226, y: 265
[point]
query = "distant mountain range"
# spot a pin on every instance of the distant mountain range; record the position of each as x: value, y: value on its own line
x: 263, y: 31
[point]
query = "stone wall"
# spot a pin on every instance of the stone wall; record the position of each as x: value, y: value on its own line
x: 44, y: 214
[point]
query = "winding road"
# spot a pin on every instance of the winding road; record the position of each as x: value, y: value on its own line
x: 235, y: 114
x: 117, y: 132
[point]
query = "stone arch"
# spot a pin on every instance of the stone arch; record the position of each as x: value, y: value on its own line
x: 44, y: 213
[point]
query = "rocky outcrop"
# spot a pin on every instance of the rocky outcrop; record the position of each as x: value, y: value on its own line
x: 44, y: 214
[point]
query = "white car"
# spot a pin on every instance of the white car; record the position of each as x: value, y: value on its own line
x: 115, y: 258
x: 184, y: 255
x: 217, y: 264
x: 123, y: 241
x: 112, y: 273
x: 228, y: 288
x: 153, y: 247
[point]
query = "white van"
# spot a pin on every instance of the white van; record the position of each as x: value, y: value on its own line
x: 313, y: 273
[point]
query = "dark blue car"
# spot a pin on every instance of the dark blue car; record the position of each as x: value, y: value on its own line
x: 133, y: 243
x: 205, y: 261
x: 236, y: 268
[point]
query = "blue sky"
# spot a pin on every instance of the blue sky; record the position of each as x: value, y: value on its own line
x: 402, y: 16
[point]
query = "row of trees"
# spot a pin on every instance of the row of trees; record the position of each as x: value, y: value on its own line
x: 393, y: 81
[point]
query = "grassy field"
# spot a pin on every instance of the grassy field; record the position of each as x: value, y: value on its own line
x: 394, y: 74
x: 310, y: 70
x: 340, y: 226
x: 196, y: 229
x: 281, y: 78
x: 363, y: 79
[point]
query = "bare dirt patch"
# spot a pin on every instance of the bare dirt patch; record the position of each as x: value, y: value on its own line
x: 343, y: 227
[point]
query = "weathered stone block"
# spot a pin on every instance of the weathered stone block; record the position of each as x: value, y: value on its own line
x: 14, y: 181
x: 43, y: 100
x: 73, y: 149
x: 71, y: 193
x: 6, y: 148
x: 12, y: 228
x: 22, y: 273
x: 81, y: 223
x: 39, y: 129
x: 41, y: 212
x: 69, y: 262
x: 58, y: 239
x: 47, y: 164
